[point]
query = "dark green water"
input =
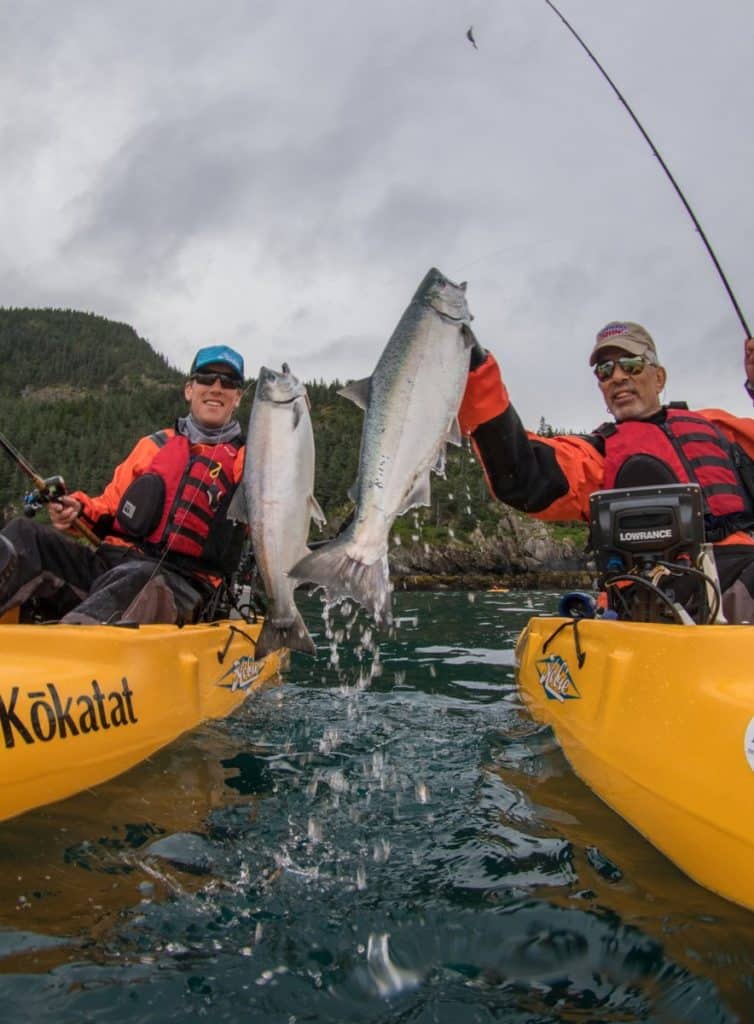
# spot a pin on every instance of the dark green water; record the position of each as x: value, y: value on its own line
x: 374, y: 840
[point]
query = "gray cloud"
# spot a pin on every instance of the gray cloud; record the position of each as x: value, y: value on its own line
x: 283, y: 175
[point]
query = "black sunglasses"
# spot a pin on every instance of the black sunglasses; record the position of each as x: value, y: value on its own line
x: 632, y: 365
x: 226, y: 380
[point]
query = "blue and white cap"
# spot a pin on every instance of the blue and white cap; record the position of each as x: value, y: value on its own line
x: 214, y: 354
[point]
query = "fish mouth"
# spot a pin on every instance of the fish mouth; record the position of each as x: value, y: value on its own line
x: 450, y: 305
x: 454, y: 313
x: 280, y: 388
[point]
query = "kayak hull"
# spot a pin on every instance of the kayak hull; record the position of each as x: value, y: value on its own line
x: 81, y: 704
x: 658, y: 720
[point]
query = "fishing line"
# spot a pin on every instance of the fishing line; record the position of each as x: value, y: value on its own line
x: 664, y: 166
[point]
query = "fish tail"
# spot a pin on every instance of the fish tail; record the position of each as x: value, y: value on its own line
x: 343, y: 577
x: 291, y: 635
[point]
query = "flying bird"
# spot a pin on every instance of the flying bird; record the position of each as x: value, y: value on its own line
x: 470, y: 37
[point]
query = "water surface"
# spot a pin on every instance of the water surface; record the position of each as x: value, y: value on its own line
x: 386, y: 836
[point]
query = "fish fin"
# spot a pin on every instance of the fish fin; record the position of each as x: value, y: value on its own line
x: 469, y: 338
x: 237, y: 509
x: 297, y: 414
x: 342, y: 577
x: 358, y: 392
x: 316, y: 512
x: 420, y: 495
x: 293, y: 636
x: 453, y: 435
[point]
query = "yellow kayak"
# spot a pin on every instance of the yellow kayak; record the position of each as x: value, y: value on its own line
x: 81, y: 704
x: 659, y: 721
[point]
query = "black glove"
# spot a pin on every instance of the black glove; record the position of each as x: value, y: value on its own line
x: 478, y: 354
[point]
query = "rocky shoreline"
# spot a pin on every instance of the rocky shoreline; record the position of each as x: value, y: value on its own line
x: 521, y: 554
x: 546, y: 579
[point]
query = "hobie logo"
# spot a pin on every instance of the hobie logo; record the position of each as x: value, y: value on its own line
x: 749, y: 744
x: 556, y: 679
x: 241, y: 674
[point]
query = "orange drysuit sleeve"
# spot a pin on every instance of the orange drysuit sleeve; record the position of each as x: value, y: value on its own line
x: 738, y: 429
x: 106, y: 504
x: 550, y: 478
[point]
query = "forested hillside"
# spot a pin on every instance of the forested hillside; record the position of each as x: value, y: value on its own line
x: 77, y: 390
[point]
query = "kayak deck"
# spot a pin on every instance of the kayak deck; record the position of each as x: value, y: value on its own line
x: 81, y: 704
x: 659, y: 721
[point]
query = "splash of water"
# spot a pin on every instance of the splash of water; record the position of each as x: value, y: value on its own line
x: 388, y: 978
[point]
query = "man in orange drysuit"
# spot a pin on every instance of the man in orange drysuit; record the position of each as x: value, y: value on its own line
x: 166, y: 541
x: 649, y: 443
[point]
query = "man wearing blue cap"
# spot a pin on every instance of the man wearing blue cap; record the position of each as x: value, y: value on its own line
x: 166, y: 541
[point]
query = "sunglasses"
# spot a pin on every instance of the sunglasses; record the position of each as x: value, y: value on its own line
x: 632, y: 365
x: 226, y: 381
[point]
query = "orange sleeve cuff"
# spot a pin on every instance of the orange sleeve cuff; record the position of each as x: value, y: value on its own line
x: 485, y: 397
x: 86, y: 505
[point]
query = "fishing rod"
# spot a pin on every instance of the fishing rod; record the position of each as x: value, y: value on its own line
x: 664, y: 166
x: 45, y: 490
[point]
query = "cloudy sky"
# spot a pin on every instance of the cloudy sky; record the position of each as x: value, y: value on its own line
x: 279, y: 175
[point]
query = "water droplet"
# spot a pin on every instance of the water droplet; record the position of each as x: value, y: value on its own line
x: 381, y: 851
x: 421, y: 791
x: 389, y: 979
x: 337, y: 781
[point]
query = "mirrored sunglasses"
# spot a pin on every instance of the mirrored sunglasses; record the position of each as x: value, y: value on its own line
x: 226, y: 380
x: 632, y: 365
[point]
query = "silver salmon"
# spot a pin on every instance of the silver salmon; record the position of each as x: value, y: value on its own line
x: 411, y: 403
x: 276, y: 500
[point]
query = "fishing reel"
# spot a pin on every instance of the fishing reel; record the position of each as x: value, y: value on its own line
x: 51, y: 489
x: 240, y: 596
x: 651, y: 556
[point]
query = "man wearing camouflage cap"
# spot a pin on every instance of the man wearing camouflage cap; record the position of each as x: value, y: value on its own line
x: 648, y: 444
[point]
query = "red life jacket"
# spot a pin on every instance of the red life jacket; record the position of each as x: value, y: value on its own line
x: 180, y: 502
x: 683, y: 447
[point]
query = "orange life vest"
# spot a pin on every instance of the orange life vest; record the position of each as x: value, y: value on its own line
x: 685, y: 448
x: 179, y: 504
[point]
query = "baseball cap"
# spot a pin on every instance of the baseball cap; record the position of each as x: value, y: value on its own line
x: 214, y: 354
x: 627, y: 336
